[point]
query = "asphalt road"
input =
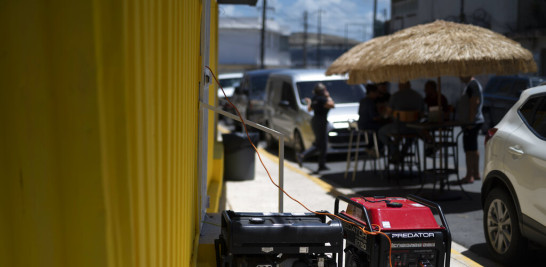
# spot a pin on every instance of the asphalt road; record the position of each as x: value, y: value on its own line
x: 463, y: 214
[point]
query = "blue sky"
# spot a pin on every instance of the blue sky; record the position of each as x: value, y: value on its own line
x: 336, y: 14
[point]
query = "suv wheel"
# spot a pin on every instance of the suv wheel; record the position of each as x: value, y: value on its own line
x: 501, y: 227
x: 298, y: 144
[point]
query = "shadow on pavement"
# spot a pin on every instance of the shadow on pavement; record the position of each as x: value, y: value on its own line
x: 478, y: 249
x: 373, y: 184
x: 533, y: 257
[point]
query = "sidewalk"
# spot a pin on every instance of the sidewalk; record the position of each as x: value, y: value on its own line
x: 260, y: 195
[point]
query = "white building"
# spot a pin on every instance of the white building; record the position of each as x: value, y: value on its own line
x: 239, y: 42
x: 498, y: 15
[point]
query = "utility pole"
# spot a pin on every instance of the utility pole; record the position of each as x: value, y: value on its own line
x: 461, y: 14
x: 319, y: 38
x: 346, y: 41
x: 305, y: 39
x: 262, y: 41
x: 374, y: 18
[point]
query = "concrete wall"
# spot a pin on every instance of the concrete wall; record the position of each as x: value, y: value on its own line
x: 239, y: 42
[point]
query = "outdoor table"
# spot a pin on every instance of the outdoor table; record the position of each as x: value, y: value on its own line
x: 440, y: 168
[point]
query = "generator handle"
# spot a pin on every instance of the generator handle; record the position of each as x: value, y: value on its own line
x: 435, y: 205
x: 355, y: 204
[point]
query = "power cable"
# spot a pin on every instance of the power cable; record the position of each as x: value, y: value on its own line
x: 378, y: 232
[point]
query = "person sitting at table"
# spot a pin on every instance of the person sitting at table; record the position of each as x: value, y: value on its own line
x: 405, y: 99
x: 382, y: 100
x: 431, y: 100
x: 369, y: 117
x: 431, y: 96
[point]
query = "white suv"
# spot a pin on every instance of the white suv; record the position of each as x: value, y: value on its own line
x: 514, y: 188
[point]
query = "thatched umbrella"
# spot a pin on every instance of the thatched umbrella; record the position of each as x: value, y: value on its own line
x: 435, y: 49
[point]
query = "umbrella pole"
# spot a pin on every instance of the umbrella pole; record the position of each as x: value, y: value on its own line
x: 440, y: 95
x: 441, y: 111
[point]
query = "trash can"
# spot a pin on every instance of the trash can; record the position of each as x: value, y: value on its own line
x: 239, y: 156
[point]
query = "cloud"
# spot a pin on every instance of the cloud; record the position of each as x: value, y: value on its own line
x: 336, y: 15
x: 227, y: 10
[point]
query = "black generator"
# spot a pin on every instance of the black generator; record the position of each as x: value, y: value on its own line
x: 278, y: 239
x: 416, y: 239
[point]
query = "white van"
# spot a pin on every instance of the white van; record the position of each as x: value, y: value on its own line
x: 286, y: 111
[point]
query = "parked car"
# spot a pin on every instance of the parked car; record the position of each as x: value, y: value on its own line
x: 501, y: 92
x: 286, y: 110
x: 229, y: 81
x: 249, y: 97
x: 514, y: 186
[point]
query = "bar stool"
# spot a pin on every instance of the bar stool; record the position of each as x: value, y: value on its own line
x: 373, y: 158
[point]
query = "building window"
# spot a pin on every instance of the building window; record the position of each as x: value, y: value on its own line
x: 404, y: 7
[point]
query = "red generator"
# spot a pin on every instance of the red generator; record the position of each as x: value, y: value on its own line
x: 416, y: 239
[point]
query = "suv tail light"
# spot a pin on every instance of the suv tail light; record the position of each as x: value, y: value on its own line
x: 490, y: 134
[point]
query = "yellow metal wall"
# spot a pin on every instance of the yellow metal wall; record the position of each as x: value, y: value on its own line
x: 216, y: 152
x: 98, y: 132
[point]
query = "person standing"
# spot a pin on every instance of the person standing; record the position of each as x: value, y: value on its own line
x: 321, y: 103
x: 469, y: 110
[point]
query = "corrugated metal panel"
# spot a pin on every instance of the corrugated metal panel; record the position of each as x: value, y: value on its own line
x: 99, y: 162
x: 161, y: 93
x: 215, y: 171
x: 52, y: 204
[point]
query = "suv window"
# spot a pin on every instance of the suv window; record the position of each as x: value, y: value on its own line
x: 256, y: 86
x: 288, y: 95
x: 340, y: 91
x: 272, y: 87
x: 533, y: 112
x: 230, y: 82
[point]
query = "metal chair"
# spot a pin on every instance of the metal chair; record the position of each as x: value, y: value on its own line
x: 407, y: 145
x: 410, y: 155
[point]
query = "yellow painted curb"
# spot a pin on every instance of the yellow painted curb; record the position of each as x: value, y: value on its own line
x: 456, y: 255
